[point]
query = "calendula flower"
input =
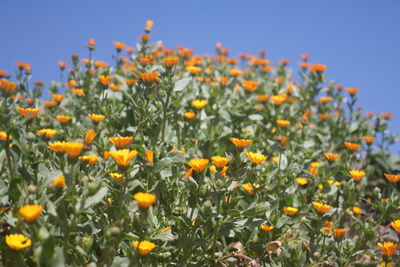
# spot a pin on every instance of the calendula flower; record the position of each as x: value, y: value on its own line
x: 331, y: 156
x: 57, y: 97
x: 59, y: 181
x: 28, y: 111
x: 49, y: 104
x: 387, y: 248
x: 30, y: 212
x: 7, y: 87
x: 48, y: 133
x: 96, y: 117
x: 250, y: 86
x: 266, y: 228
x: 392, y: 177
x: 145, y: 200
x: 198, y: 164
x: 105, y: 80
x: 116, y: 87
x: 4, y: 136
x: 278, y: 99
x: 189, y: 115
x: 121, y: 142
x: 248, y: 188
x: 320, y: 207
x: 149, y: 78
x: 63, y: 119
x: 262, y: 98
x: 119, y: 46
x: 396, y: 225
x: 240, y: 143
x: 318, y: 68
x: 324, y: 116
x: 144, y: 247
x: 18, y: 241
x: 149, y: 156
x: 57, y: 146
x: 78, y: 92
x: 256, y: 158
x: 89, y: 159
x: 169, y: 62
x: 357, y: 174
x: 199, y: 104
x: 219, y: 161
x: 325, y: 99
x: 283, y: 123
x: 301, y: 181
x: 338, y: 233
x: 123, y: 157
x: 166, y: 229
x: 149, y: 25
x: 357, y: 210
x: 352, y: 146
x: 369, y: 139
x: 193, y: 70
x: 352, y: 91
x: 117, y: 177
x: 290, y: 210
x: 89, y: 137
x: 144, y: 38
x: 73, y: 149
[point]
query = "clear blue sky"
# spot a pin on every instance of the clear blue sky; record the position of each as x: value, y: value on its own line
x: 359, y: 40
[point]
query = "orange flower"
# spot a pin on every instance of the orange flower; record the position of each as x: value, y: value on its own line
x: 119, y: 46
x: 121, y: 142
x: 57, y: 146
x: 220, y: 161
x: 320, y: 207
x: 149, y: 156
x: 283, y: 123
x: 169, y: 62
x: 123, y: 157
x: 57, y: 97
x: 63, y: 119
x: 318, y: 68
x: 235, y: 72
x: 193, y: 70
x: 7, y: 87
x: 250, y: 86
x: 352, y: 146
x: 357, y: 174
x: 386, y: 115
x: 392, y: 177
x: 59, y: 181
x: 48, y: 133
x: 30, y: 212
x: 396, y: 225
x: 144, y: 247
x: 149, y: 25
x: 189, y: 115
x: 324, y: 116
x: 278, y: 99
x: 117, y: 177
x: 248, y: 188
x: 28, y: 111
x: 338, y: 233
x: 22, y: 65
x: 149, y: 78
x: 262, y: 98
x: 331, y: 156
x: 144, y: 38
x: 49, y: 104
x: 352, y: 91
x: 199, y: 104
x: 325, y: 99
x: 105, y: 80
x: 92, y: 44
x: 73, y: 149
x: 96, y: 117
x: 266, y: 228
x: 240, y: 143
x: 387, y: 248
x: 116, y: 87
x: 89, y: 159
x: 89, y: 137
x: 369, y: 139
x: 145, y: 200
x: 290, y: 210
x: 166, y: 229
x: 198, y: 164
x: 256, y: 158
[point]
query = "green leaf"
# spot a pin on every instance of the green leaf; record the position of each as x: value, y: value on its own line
x: 181, y: 84
x: 96, y: 198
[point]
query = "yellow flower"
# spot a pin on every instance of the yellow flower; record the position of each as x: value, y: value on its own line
x: 30, y: 212
x: 63, y: 119
x: 250, y: 86
x: 96, y: 117
x: 149, y: 25
x: 248, y: 188
x: 357, y: 174
x: 290, y: 210
x: 352, y: 146
x: 278, y: 99
x: 73, y: 149
x: 3, y: 136
x: 117, y: 177
x: 283, y: 123
x: 121, y: 142
x: 78, y: 92
x: 123, y: 157
x: 89, y: 159
x: 240, y: 143
x: 386, y: 264
x: 396, y: 225
x: 266, y: 228
x: 220, y: 161
x: 89, y: 137
x: 57, y: 146
x: 18, y: 241
x: 320, y: 207
x: 387, y: 248
x: 369, y: 139
x: 149, y: 156
x: 392, y: 177
x: 325, y: 99
x: 144, y: 247
x: 193, y: 70
x: 57, y: 97
x: 188, y: 173
x: 198, y: 164
x: 26, y: 111
x: 301, y: 181
x: 105, y: 80
x: 357, y: 210
x: 256, y: 158
x: 189, y: 115
x: 331, y: 156
x: 199, y: 104
x: 48, y: 133
x: 145, y: 200
x: 59, y: 181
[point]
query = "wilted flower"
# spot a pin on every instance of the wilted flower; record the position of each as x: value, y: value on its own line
x: 145, y: 200
x: 18, y: 241
x: 30, y: 212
